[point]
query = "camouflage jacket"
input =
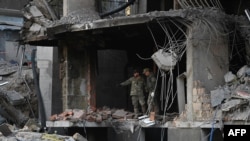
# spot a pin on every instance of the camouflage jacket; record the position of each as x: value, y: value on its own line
x: 137, y: 85
x: 150, y: 83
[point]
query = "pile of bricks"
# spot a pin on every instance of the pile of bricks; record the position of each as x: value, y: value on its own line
x: 92, y: 116
x: 202, y: 109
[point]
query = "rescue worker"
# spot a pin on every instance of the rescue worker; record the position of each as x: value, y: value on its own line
x: 137, y: 83
x: 150, y: 88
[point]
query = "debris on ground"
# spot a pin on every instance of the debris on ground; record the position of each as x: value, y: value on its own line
x: 11, y: 133
x: 18, y: 99
x: 233, y: 98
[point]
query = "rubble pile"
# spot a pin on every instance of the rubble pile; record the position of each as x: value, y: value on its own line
x: 233, y: 99
x: 38, y: 16
x: 78, y: 17
x: 18, y: 100
x: 98, y: 116
x: 9, y: 133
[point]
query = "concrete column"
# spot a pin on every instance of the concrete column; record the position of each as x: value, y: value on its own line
x: 190, y: 80
x: 187, y: 134
x: 142, y: 6
x: 125, y: 135
x: 72, y: 5
x: 45, y: 63
x: 181, y: 92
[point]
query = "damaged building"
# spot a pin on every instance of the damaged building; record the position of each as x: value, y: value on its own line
x: 199, y: 51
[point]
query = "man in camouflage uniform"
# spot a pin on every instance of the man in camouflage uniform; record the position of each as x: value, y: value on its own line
x: 137, y: 91
x: 151, y: 90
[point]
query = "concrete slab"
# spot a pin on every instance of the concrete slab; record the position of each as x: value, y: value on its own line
x: 187, y: 134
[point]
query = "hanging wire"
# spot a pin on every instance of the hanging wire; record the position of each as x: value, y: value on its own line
x: 176, y: 47
x: 152, y: 35
x: 142, y: 57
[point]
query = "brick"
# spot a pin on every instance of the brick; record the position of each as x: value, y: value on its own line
x: 197, y: 113
x: 90, y: 118
x: 209, y: 114
x: 195, y: 98
x: 206, y: 97
x: 197, y: 106
x: 98, y: 118
x: 78, y: 113
x: 201, y: 91
x: 119, y: 114
x: 107, y: 112
x: 105, y: 116
x: 195, y: 92
x: 197, y: 84
x: 53, y: 117
x: 130, y: 116
x: 206, y: 106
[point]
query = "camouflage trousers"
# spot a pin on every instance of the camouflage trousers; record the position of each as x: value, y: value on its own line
x: 136, y: 100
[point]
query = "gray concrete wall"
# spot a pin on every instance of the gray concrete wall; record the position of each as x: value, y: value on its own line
x: 77, y: 79
x: 184, y: 134
x: 207, y: 59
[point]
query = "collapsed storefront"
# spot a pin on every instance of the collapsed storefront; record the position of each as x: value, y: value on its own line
x: 198, y: 87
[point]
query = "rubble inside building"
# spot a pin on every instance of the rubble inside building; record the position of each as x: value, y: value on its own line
x: 199, y: 53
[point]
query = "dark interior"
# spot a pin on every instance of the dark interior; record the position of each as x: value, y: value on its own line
x: 124, y: 49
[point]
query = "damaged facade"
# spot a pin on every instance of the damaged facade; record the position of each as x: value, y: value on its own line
x: 198, y: 50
